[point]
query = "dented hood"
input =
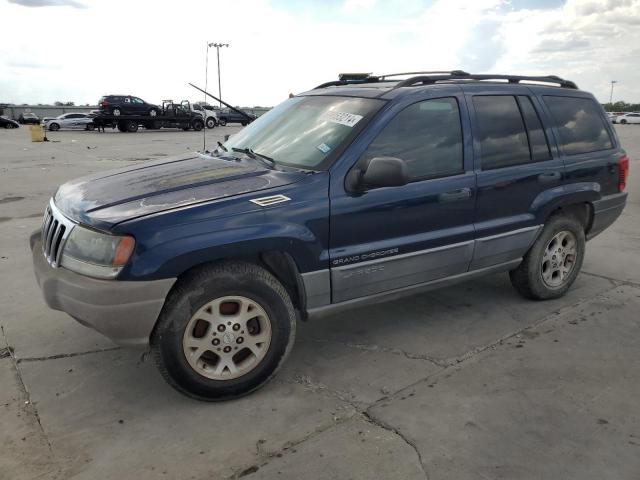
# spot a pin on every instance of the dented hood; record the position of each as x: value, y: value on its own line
x: 114, y: 196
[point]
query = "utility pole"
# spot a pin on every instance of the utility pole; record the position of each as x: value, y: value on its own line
x: 613, y: 82
x: 218, y: 45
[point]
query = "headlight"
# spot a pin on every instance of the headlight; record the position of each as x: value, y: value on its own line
x: 96, y: 254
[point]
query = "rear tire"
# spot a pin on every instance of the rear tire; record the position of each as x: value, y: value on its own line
x: 224, y: 331
x: 222, y: 122
x: 197, y: 125
x: 553, y: 262
x: 131, y: 126
x: 116, y: 112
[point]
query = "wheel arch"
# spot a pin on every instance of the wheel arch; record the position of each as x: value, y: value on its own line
x: 280, y: 264
x: 575, y: 200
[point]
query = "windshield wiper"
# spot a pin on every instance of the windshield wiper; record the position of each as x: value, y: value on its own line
x: 268, y: 161
x: 222, y: 147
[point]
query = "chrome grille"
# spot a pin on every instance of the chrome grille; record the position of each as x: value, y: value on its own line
x: 55, y: 230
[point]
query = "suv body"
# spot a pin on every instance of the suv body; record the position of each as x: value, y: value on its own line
x: 227, y: 115
x: 126, y: 105
x: 27, y: 118
x: 379, y: 189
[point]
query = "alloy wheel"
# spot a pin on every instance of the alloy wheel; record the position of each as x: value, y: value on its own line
x: 227, y: 338
x: 559, y: 259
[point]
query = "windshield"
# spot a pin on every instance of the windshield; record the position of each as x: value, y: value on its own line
x: 303, y: 131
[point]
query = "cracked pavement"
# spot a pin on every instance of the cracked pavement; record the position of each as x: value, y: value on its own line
x: 468, y: 382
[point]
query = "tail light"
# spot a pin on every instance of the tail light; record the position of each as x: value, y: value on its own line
x: 623, y: 173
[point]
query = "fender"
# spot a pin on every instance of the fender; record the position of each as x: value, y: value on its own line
x: 167, y: 245
x: 549, y: 200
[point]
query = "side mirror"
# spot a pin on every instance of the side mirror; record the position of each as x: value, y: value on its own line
x: 385, y: 172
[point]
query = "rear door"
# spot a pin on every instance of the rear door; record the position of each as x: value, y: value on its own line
x: 515, y: 163
x: 138, y: 106
x: 388, y: 238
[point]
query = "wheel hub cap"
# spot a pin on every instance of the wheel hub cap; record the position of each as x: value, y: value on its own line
x: 559, y: 259
x: 227, y: 338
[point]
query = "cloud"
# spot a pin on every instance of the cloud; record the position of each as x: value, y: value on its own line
x: 483, y: 47
x: 48, y: 3
x: 285, y: 46
x: 568, y: 45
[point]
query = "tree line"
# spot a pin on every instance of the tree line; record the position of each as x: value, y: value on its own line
x: 621, y: 106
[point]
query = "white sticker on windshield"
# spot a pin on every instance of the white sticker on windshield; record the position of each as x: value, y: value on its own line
x: 343, y: 118
x: 324, y: 148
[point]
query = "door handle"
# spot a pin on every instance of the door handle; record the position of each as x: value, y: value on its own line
x: 455, y: 195
x: 549, y: 177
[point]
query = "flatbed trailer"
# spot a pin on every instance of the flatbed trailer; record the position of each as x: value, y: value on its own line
x: 172, y: 116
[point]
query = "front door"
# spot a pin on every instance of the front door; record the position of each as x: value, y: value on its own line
x: 388, y: 238
x: 514, y: 165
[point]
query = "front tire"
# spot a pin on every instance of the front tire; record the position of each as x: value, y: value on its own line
x: 54, y: 127
x: 211, y: 123
x: 116, y: 112
x: 224, y: 331
x: 623, y: 121
x: 222, y: 122
x: 553, y: 262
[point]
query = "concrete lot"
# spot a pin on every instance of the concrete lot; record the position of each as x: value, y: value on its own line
x: 469, y: 382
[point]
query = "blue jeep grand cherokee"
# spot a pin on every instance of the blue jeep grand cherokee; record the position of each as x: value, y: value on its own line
x: 361, y: 190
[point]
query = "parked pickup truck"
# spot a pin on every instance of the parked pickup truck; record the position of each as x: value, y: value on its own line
x: 361, y: 190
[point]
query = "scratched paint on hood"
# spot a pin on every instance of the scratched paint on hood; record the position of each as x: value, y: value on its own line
x: 151, y: 187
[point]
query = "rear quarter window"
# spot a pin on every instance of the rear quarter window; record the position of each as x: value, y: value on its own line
x: 579, y: 123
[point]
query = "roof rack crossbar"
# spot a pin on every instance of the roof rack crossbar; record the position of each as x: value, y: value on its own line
x: 337, y: 83
x: 429, y: 79
x: 450, y: 72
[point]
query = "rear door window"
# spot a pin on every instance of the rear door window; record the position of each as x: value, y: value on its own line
x: 537, y: 138
x: 500, y: 131
x: 579, y: 123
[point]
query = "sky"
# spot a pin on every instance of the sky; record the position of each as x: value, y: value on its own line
x: 79, y: 50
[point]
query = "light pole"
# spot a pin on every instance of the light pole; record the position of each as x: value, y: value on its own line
x: 613, y: 82
x: 218, y: 45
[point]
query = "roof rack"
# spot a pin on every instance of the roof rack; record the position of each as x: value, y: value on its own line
x: 426, y: 78
x: 449, y: 72
x: 355, y: 78
x: 456, y: 75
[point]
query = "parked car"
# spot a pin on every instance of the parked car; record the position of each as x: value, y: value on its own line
x: 338, y: 197
x: 28, y: 118
x: 127, y: 105
x: 8, y: 123
x: 629, y: 118
x: 75, y: 121
x: 208, y: 114
x: 231, y: 116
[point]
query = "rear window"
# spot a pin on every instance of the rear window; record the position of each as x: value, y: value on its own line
x: 580, y: 125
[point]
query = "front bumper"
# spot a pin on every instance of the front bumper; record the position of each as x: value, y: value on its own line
x: 126, y: 312
x: 605, y: 212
